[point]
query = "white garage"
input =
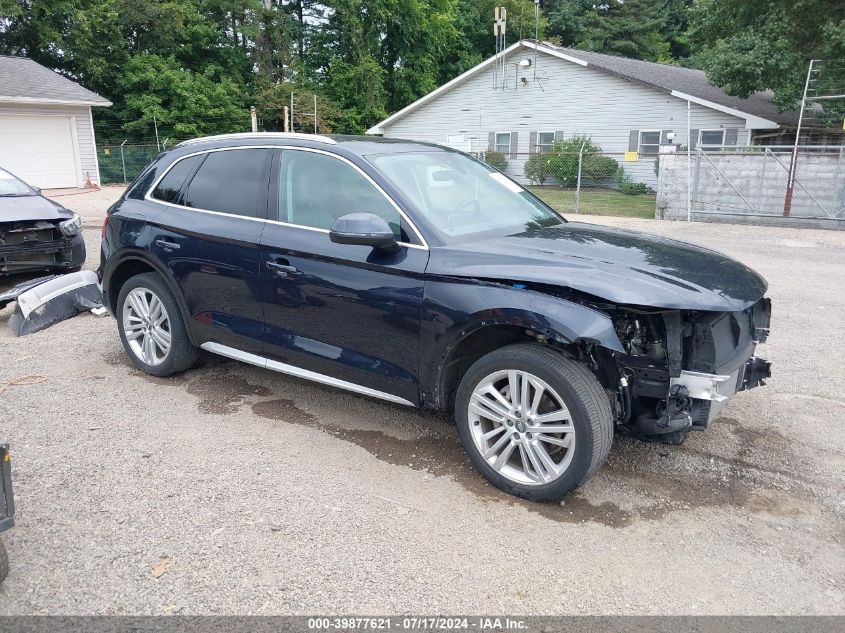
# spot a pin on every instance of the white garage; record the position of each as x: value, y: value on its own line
x: 46, y: 129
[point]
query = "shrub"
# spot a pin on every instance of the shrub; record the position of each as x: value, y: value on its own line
x: 537, y: 168
x: 597, y: 168
x: 497, y: 160
x: 563, y: 162
x: 630, y: 187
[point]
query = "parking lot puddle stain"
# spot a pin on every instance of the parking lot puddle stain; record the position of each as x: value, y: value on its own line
x: 441, y: 455
x: 438, y: 452
x: 283, y: 410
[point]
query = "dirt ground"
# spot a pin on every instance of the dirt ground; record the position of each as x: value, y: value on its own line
x: 232, y: 490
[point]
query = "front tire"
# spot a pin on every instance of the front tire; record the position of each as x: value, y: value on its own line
x: 151, y: 327
x: 535, y: 423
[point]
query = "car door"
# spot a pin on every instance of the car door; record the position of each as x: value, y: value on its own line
x: 348, y: 313
x: 208, y: 237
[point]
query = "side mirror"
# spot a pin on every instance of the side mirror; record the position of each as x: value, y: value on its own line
x: 364, y: 229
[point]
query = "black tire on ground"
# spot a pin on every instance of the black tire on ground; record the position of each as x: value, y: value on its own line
x: 4, y: 563
x: 583, y: 395
x: 182, y: 353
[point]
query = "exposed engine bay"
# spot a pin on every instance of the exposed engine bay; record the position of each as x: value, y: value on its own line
x: 681, y: 367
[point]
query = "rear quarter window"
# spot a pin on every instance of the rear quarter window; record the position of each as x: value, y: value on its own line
x: 169, y: 188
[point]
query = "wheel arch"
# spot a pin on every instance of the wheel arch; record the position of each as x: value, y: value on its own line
x: 518, y: 316
x: 134, y: 263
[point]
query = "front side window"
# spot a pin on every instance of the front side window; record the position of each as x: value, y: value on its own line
x: 230, y: 181
x: 316, y: 189
x: 545, y: 142
x: 711, y: 138
x: 169, y: 187
x: 650, y: 143
x: 503, y: 142
x: 462, y: 197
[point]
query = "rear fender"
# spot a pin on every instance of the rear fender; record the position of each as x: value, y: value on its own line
x: 118, y: 259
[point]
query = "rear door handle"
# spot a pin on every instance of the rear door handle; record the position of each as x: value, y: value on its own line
x: 282, y: 267
x: 167, y: 245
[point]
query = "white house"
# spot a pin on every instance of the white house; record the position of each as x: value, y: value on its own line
x: 547, y: 92
x: 46, y: 129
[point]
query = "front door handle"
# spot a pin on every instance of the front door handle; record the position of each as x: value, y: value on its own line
x: 167, y: 245
x: 282, y: 267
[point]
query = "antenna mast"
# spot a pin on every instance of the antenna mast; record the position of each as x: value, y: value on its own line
x: 500, y: 18
x: 536, y: 34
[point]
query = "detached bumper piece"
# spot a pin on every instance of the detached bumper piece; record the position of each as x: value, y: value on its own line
x: 55, y: 300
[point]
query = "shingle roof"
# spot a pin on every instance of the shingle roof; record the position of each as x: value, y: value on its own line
x: 24, y: 80
x: 686, y: 80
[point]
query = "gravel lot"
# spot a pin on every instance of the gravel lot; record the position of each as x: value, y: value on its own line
x: 255, y: 493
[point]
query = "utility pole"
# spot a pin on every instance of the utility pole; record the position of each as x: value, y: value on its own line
x: 790, y: 183
x: 155, y: 125
x: 285, y: 124
x: 254, y: 118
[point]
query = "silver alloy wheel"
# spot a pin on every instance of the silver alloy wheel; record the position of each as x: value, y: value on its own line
x: 146, y: 326
x: 521, y: 427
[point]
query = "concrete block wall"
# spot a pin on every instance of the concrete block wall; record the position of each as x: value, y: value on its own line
x: 745, y: 187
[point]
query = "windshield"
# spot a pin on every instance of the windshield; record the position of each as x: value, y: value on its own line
x: 461, y: 196
x: 11, y: 186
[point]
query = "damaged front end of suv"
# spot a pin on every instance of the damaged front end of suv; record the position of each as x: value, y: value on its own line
x: 681, y: 366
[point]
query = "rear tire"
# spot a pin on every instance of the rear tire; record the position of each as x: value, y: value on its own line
x: 549, y: 440
x: 152, y: 328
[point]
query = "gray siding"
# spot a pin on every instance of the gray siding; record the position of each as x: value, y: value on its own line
x: 573, y: 98
x: 86, y: 144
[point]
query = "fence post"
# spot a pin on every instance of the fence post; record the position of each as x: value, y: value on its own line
x: 694, y: 193
x: 578, y: 185
x: 123, y: 160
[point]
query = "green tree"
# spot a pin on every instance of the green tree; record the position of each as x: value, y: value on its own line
x: 748, y: 46
x: 652, y: 30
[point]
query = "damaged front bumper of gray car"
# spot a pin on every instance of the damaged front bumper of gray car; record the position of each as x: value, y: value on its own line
x: 681, y: 368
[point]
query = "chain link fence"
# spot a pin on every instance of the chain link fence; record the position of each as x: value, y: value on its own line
x: 751, y: 185
x: 595, y: 183
x: 725, y: 184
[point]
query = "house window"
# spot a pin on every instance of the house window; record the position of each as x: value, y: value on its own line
x: 503, y: 142
x: 711, y: 139
x: 545, y: 142
x: 649, y: 142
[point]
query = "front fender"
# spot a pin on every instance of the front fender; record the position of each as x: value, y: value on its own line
x: 453, y: 309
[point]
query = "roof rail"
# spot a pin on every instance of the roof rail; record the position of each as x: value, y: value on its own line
x: 317, y: 138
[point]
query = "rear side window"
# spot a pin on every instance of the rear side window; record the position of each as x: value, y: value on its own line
x: 168, y: 188
x: 230, y: 181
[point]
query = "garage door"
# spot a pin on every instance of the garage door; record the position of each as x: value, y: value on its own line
x: 39, y: 150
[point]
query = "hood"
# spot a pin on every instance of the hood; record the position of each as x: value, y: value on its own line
x: 28, y: 208
x: 618, y: 265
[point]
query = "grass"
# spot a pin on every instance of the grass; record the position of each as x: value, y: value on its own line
x: 597, y: 202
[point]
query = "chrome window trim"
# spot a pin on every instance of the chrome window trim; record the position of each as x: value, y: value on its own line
x: 149, y: 194
x: 293, y: 370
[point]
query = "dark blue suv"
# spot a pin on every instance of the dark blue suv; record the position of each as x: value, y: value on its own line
x: 419, y: 275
